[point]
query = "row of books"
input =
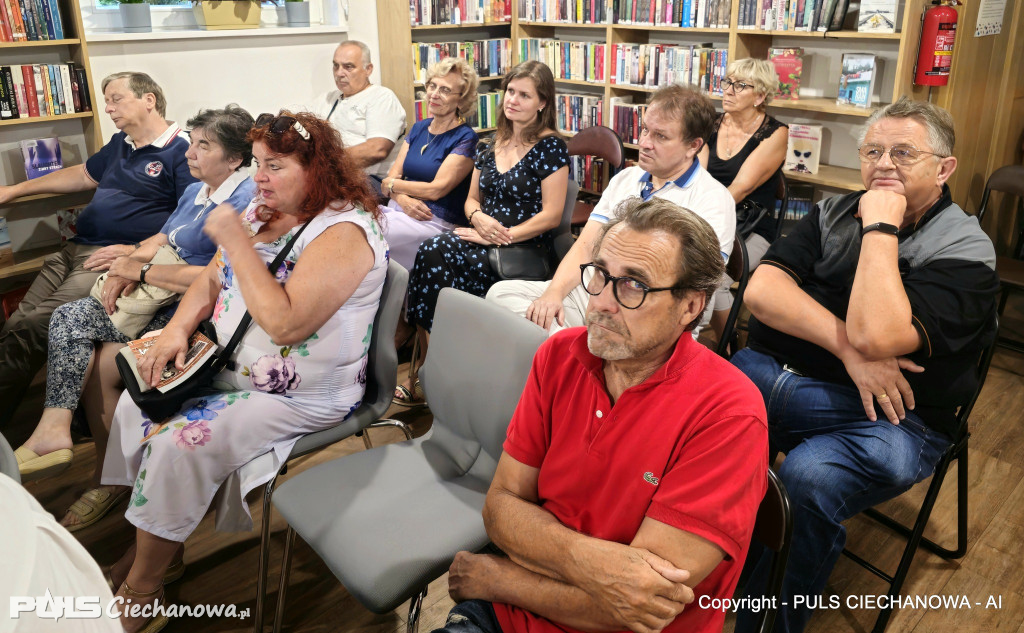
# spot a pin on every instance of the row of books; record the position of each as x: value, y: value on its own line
x: 30, y: 20
x: 653, y: 65
x: 792, y: 15
x: 704, y: 14
x: 580, y: 61
x: 433, y: 12
x: 588, y: 172
x: 490, y: 58
x: 578, y: 111
x: 626, y: 118
x: 566, y: 11
x: 34, y: 90
x: 486, y: 115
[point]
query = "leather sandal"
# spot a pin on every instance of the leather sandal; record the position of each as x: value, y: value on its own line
x: 157, y: 622
x: 93, y: 505
x: 33, y: 466
x: 174, y: 572
x: 406, y: 398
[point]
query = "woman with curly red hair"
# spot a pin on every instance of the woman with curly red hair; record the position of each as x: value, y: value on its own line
x: 300, y: 369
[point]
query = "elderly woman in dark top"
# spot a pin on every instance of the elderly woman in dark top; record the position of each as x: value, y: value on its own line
x: 745, y: 153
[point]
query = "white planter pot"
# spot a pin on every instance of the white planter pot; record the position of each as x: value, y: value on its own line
x: 135, y: 18
x: 297, y: 12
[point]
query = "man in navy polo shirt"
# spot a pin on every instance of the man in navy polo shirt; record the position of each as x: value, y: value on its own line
x: 138, y: 177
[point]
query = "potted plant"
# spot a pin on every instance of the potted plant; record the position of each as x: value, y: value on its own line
x: 297, y: 12
x: 220, y: 15
x: 135, y: 16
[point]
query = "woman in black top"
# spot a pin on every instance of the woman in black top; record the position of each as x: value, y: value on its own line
x: 745, y: 153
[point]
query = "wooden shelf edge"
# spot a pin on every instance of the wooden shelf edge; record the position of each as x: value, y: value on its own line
x: 85, y: 196
x: 44, y: 119
x: 823, y: 104
x: 464, y: 25
x: 842, y: 178
x: 28, y: 262
x: 38, y: 43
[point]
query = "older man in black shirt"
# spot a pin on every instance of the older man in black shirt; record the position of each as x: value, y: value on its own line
x: 868, y: 322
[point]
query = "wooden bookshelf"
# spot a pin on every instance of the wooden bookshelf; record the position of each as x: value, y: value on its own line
x: 27, y: 262
x: 841, y: 178
x: 40, y: 43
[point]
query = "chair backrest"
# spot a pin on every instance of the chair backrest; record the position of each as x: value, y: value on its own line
x: 599, y: 141
x: 562, y: 239
x: 774, y: 529
x: 1007, y: 179
x: 381, y: 364
x: 738, y: 269
x: 8, y: 462
x: 479, y: 358
x: 782, y: 195
x: 984, y: 362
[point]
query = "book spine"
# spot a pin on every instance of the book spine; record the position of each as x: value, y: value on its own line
x: 20, y: 95
x: 6, y: 110
x: 83, y: 84
x: 47, y: 16
x: 30, y: 90
x: 76, y: 91
x: 65, y: 81
x: 60, y: 106
x: 6, y: 32
x: 58, y: 24
x: 17, y: 24
x: 51, y: 90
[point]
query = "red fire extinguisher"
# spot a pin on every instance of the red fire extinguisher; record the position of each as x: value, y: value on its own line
x: 936, y: 55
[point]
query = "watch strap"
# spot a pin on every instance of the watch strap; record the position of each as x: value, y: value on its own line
x: 142, y: 273
x: 884, y: 227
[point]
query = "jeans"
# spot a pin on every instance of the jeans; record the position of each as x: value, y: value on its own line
x: 471, y: 616
x: 838, y: 463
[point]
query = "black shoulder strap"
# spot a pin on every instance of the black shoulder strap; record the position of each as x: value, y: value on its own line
x: 243, y: 325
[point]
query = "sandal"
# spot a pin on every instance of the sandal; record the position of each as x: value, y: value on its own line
x: 174, y: 572
x: 155, y: 623
x: 93, y: 505
x: 406, y: 398
x: 33, y: 466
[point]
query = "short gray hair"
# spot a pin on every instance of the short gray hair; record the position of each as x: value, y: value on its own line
x: 139, y: 84
x: 362, y: 47
x: 700, y: 258
x: 938, y: 122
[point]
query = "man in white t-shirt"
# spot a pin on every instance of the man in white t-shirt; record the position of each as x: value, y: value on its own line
x: 369, y: 117
x: 676, y: 126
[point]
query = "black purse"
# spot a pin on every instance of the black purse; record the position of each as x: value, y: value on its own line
x: 529, y: 262
x: 161, y: 405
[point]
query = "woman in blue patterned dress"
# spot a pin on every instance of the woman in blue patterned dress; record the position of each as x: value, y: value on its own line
x: 300, y: 368
x: 517, y: 196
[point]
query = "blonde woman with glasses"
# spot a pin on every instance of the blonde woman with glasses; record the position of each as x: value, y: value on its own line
x: 430, y: 179
x: 745, y: 153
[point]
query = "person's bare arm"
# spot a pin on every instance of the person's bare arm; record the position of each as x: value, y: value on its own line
x: 329, y: 270
x: 879, y: 319
x: 622, y: 576
x: 762, y: 163
x: 452, y: 171
x: 548, y: 306
x: 67, y: 180
x: 370, y: 152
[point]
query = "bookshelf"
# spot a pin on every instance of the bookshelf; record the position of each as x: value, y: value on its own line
x: 839, y: 168
x: 79, y: 131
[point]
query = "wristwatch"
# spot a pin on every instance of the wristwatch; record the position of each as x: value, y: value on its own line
x: 142, y: 273
x: 884, y: 227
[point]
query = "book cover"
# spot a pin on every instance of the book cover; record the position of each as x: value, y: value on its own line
x: 200, y: 351
x: 789, y: 65
x: 804, y: 149
x: 42, y: 155
x: 877, y: 16
x: 857, y: 80
x: 6, y: 251
x: 799, y: 204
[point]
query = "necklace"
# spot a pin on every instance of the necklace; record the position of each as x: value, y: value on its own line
x: 457, y: 122
x: 730, y: 148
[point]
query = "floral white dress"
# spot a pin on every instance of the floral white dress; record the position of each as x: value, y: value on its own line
x: 237, y: 439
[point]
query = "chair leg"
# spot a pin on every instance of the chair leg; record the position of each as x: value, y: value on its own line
x: 282, y: 587
x: 912, y: 543
x: 379, y: 424
x: 365, y: 434
x: 413, y: 622
x: 261, y: 574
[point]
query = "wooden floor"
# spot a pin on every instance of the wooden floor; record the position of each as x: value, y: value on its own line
x: 222, y: 567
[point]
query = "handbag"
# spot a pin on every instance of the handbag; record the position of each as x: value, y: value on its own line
x: 137, y: 309
x: 160, y: 405
x: 529, y: 262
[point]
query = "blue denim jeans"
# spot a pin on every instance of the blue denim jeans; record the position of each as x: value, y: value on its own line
x: 838, y: 463
x: 471, y: 616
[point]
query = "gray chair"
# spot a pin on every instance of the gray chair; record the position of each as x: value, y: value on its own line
x: 561, y: 237
x: 381, y: 374
x: 363, y: 514
x: 8, y: 462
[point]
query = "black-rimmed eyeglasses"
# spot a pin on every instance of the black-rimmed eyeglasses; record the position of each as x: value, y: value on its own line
x: 281, y: 123
x: 629, y: 292
x: 738, y: 86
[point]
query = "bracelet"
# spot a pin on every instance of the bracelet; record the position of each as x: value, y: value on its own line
x: 472, y: 214
x: 884, y: 227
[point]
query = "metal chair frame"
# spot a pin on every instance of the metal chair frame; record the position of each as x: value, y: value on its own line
x: 738, y: 269
x: 382, y: 360
x: 957, y: 451
x: 774, y: 530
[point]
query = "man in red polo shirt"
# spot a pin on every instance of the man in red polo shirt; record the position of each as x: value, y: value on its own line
x: 636, y: 460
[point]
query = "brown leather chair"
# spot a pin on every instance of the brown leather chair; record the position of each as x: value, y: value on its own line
x: 599, y: 141
x: 1008, y: 180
